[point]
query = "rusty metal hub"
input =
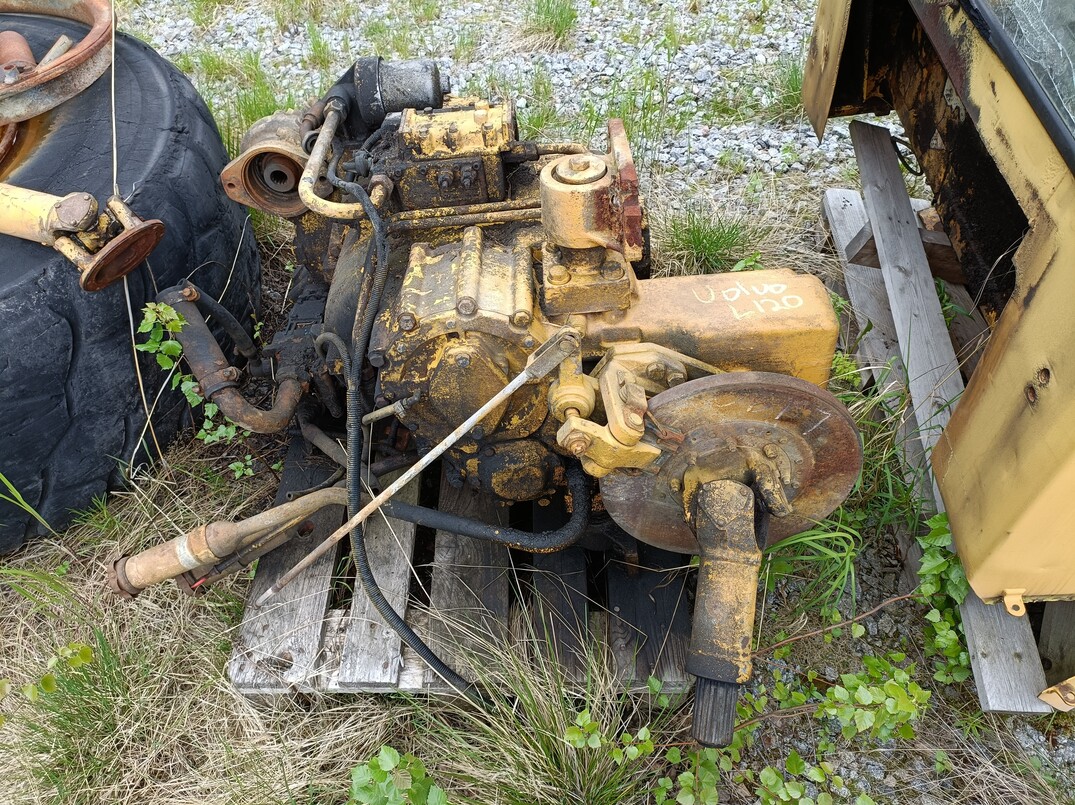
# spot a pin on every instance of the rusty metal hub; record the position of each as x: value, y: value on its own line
x: 792, y: 442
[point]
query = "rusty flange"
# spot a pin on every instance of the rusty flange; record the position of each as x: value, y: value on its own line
x: 790, y: 440
x: 46, y: 86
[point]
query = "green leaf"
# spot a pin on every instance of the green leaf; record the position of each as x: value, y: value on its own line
x: 795, y: 764
x: 673, y: 755
x: 933, y: 616
x: 815, y: 774
x: 48, y: 683
x: 436, y: 796
x: 770, y: 777
x: 857, y: 630
x: 388, y: 758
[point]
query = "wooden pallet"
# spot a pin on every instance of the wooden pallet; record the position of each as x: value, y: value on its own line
x: 903, y: 340
x: 321, y: 634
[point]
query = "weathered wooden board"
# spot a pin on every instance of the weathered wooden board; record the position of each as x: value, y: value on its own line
x: 943, y: 262
x: 370, y: 657
x: 470, y: 586
x: 1003, y: 653
x: 560, y: 607
x: 278, y: 649
x: 649, y: 622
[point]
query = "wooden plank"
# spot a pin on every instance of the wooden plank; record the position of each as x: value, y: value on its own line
x: 370, y: 658
x: 278, y: 647
x: 649, y: 619
x: 470, y: 585
x: 943, y: 262
x: 560, y: 613
x: 1056, y: 643
x: 879, y: 352
x: 560, y: 607
x: 1002, y: 649
x: 933, y: 379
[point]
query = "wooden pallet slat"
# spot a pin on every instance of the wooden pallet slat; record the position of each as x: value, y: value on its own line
x: 278, y: 645
x: 649, y: 620
x: 370, y: 655
x: 560, y: 612
x: 470, y: 585
x: 1003, y: 653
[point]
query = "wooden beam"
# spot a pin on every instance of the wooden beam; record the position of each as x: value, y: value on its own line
x: 371, y: 658
x: 942, y: 258
x: 278, y: 647
x: 1002, y: 648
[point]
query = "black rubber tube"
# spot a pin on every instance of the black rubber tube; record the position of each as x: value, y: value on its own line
x: 355, y: 409
x: 534, y: 542
x: 211, y: 307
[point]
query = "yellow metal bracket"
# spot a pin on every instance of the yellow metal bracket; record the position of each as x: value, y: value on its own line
x: 1013, y: 602
x: 1061, y: 695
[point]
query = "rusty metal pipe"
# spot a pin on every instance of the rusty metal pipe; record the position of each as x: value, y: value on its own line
x: 501, y: 217
x: 218, y: 379
x: 316, y: 165
x: 467, y: 209
x: 48, y: 85
x: 207, y: 545
x: 15, y: 52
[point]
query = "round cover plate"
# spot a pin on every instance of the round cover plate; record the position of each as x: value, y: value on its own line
x: 719, y: 427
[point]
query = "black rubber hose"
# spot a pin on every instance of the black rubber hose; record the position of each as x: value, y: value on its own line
x: 534, y: 542
x: 211, y: 307
x: 355, y: 410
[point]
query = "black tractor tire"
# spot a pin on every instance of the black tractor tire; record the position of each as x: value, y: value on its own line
x: 71, y: 413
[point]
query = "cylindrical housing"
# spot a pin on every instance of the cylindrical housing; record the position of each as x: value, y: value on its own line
x: 575, y: 202
x: 387, y: 87
x: 31, y: 215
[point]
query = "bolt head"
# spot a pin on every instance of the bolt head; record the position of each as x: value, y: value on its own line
x: 462, y: 361
x: 521, y: 318
x: 635, y: 419
x: 467, y: 306
x: 407, y: 322
x: 675, y: 378
x: 577, y: 443
x: 655, y: 371
x: 189, y: 294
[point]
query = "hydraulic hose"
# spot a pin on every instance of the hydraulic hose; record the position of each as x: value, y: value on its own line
x: 541, y: 542
x: 356, y: 407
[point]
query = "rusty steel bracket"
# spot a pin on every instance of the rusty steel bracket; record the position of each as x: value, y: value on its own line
x: 1061, y: 695
x: 48, y: 84
x: 721, y: 514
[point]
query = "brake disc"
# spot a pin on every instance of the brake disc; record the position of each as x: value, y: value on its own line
x: 739, y: 426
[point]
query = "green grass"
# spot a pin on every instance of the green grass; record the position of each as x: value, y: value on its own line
x: 700, y: 240
x: 787, y: 87
x: 551, y: 18
x: 424, y: 11
x: 514, y: 752
x: 539, y: 118
x: 258, y: 97
x: 293, y: 13
x: 203, y: 12
x: 320, y: 49
x: 823, y: 557
x: 394, y: 39
x: 466, y: 44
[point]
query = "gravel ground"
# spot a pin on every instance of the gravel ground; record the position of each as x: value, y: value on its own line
x: 715, y: 81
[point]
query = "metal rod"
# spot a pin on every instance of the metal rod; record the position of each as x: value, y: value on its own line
x: 547, y: 357
x: 496, y: 217
x: 466, y: 209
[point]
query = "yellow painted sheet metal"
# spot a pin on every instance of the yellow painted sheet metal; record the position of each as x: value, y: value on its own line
x: 823, y: 60
x: 1006, y: 463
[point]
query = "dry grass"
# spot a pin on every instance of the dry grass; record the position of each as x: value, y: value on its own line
x: 711, y: 228
x: 152, y: 719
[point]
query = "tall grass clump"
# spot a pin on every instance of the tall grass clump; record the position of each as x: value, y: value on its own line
x: 554, y: 19
x: 787, y: 87
x: 698, y: 240
x: 515, y: 750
